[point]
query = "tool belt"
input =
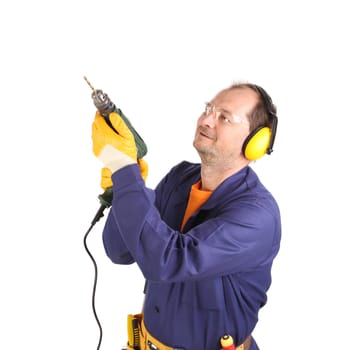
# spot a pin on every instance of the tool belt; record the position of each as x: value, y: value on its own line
x: 246, y: 344
x: 141, y: 339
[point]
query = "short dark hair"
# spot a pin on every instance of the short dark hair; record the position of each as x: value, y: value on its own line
x: 262, y: 113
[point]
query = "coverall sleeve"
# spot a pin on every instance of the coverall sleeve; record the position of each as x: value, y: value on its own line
x: 114, y: 244
x: 239, y: 239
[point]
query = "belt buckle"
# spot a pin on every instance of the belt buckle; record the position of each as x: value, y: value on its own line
x: 151, y: 346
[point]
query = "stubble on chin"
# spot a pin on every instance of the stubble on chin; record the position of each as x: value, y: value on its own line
x: 207, y: 156
x: 204, y: 145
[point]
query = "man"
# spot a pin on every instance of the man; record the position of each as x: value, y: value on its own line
x: 206, y: 237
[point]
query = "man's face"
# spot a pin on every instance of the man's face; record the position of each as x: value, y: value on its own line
x: 222, y: 129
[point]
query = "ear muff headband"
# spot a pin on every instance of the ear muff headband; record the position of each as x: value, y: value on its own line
x: 260, y: 141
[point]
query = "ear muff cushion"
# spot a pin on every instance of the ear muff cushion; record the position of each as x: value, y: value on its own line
x: 257, y: 143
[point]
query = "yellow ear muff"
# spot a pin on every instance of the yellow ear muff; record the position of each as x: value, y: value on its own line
x: 257, y: 143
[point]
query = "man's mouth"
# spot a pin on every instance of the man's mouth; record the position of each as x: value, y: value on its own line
x: 205, y: 133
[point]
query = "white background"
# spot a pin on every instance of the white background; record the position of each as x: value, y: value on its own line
x: 159, y: 61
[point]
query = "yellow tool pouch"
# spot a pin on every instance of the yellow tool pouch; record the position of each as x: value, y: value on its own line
x: 133, y: 331
x: 138, y: 336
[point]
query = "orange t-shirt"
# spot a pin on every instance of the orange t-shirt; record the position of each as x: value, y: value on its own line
x: 197, y: 197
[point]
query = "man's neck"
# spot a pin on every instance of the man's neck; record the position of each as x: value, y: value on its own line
x: 212, y: 176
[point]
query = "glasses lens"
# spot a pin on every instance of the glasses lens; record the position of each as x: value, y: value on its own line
x: 208, y: 108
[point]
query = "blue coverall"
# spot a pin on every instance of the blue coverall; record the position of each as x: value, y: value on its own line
x: 212, y: 278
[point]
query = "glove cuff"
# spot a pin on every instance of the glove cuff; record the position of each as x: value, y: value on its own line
x: 113, y: 159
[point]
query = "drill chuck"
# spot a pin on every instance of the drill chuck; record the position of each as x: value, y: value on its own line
x: 102, y: 102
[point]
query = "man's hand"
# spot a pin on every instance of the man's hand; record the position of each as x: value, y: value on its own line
x: 114, y: 149
x: 106, y: 178
x: 143, y: 168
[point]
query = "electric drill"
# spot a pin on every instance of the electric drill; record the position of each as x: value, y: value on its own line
x: 105, y: 106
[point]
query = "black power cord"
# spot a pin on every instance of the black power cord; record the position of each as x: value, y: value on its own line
x: 98, y: 215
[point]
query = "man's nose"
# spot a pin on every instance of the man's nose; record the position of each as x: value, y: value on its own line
x: 210, y: 118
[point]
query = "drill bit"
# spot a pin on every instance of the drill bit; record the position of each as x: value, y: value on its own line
x: 89, y: 84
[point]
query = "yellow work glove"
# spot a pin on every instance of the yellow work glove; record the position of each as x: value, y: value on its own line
x: 114, y: 149
x: 106, y: 179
